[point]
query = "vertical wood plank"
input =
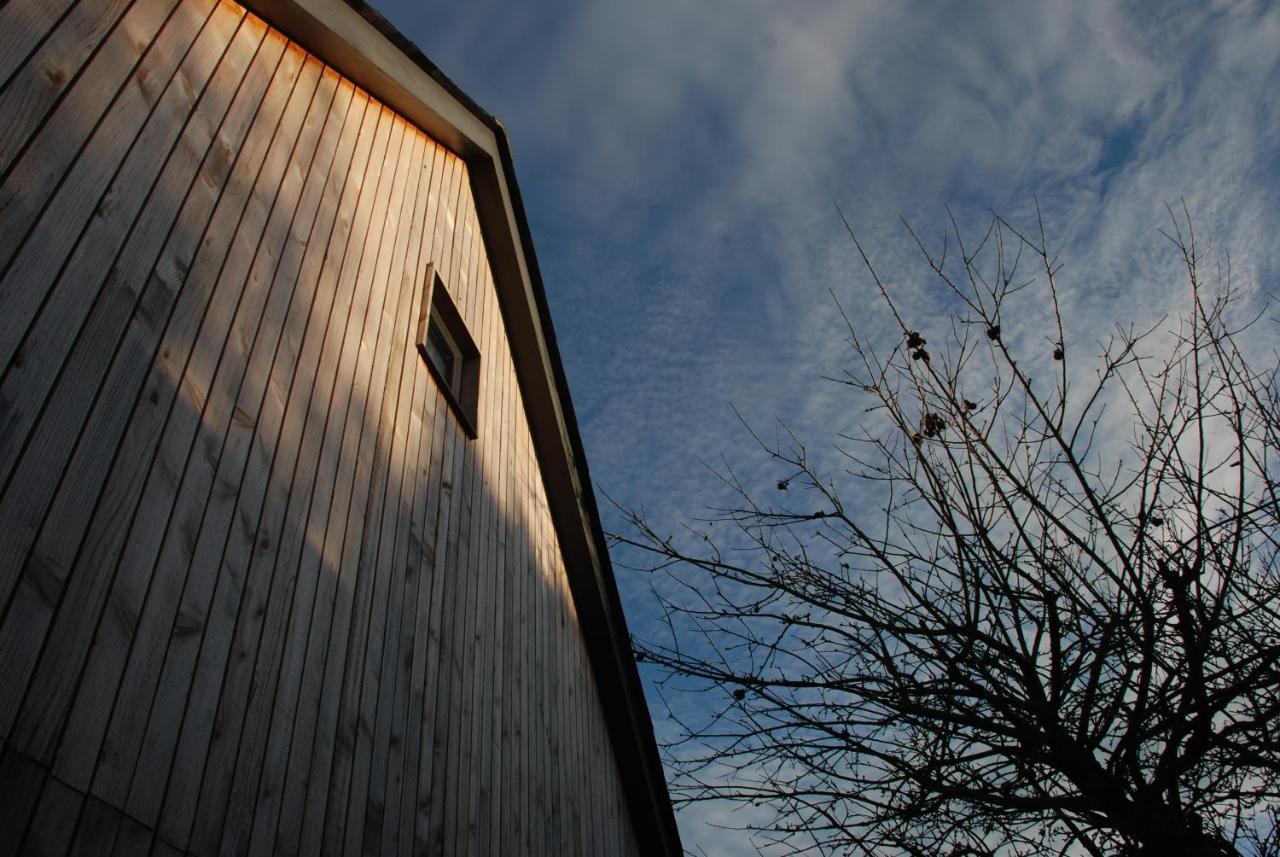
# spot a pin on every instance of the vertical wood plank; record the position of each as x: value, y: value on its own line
x: 527, y: 810
x: 499, y: 773
x: 96, y: 831
x: 385, y: 785
x: 538, y: 756
x: 176, y: 608
x: 458, y: 708
x: 551, y: 693
x: 193, y: 361
x: 477, y: 571
x: 327, y: 525
x: 437, y: 749
x: 234, y: 769
x: 191, y: 676
x: 597, y: 806
x: 155, y: 347
x: 556, y: 810
x: 560, y: 735
x: 581, y: 761
x: 488, y: 821
x: 493, y: 785
x: 54, y: 822
x: 258, y: 825
x: 211, y: 728
x: 132, y: 838
x: 236, y: 828
x: 92, y: 390
x: 25, y: 284
x: 564, y: 699
x: 284, y: 705
x: 20, y: 782
x: 544, y: 765
x: 35, y: 238
x: 23, y: 25
x: 487, y: 570
x: 27, y: 97
x: 508, y: 805
x: 585, y: 799
x: 569, y: 710
x: 422, y: 485
x: 428, y: 822
x: 370, y: 656
x: 464, y: 810
x: 336, y: 722
x: 416, y: 801
x: 374, y: 815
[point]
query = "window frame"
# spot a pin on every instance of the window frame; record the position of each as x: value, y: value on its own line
x: 438, y: 313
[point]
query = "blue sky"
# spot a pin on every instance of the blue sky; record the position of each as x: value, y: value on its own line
x: 681, y: 162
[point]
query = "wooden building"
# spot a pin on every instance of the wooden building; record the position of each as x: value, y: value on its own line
x: 298, y: 553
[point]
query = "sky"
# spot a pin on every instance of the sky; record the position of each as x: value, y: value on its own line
x: 681, y: 164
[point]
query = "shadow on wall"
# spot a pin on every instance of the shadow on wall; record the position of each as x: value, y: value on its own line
x: 259, y: 591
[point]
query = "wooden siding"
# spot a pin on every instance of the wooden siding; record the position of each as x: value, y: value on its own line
x: 259, y: 593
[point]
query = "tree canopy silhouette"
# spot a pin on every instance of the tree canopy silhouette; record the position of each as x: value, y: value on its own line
x: 1003, y: 627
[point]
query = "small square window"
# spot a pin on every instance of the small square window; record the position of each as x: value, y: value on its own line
x: 449, y: 351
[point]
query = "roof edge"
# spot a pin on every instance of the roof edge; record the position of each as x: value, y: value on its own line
x: 356, y: 40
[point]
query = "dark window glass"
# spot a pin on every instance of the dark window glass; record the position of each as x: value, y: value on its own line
x: 449, y: 351
x: 441, y: 352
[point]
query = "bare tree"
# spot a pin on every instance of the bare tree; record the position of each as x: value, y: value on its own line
x: 1019, y: 636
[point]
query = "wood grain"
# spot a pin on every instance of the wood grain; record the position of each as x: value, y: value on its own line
x: 139, y: 390
x: 23, y: 25
x: 50, y: 194
x: 27, y: 97
x: 94, y: 392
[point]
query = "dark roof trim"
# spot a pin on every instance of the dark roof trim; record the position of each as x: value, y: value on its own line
x: 355, y: 39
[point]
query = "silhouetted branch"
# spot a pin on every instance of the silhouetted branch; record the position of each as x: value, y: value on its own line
x: 1021, y: 636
